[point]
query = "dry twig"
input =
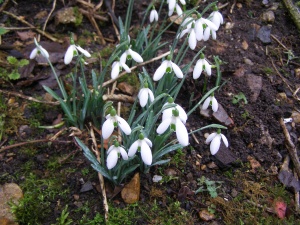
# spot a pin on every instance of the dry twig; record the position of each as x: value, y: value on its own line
x: 101, y: 179
x: 48, y: 17
x: 291, y: 147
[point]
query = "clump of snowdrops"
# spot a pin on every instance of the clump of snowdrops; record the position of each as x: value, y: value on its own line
x: 156, y: 124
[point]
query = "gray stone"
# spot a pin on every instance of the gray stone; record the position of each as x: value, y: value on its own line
x: 264, y: 34
x: 268, y: 17
x: 222, y: 117
x: 86, y: 187
x: 224, y: 157
x: 255, y: 84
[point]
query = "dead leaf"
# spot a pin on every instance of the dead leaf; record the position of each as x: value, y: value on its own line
x: 126, y: 88
x: 287, y: 178
x: 25, y: 35
x: 254, y: 163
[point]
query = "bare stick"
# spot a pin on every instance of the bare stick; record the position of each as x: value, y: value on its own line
x: 101, y: 179
x: 134, y: 67
x: 291, y: 147
x: 28, y: 98
x: 119, y: 97
x: 296, y: 194
x: 45, y: 24
x: 33, y: 27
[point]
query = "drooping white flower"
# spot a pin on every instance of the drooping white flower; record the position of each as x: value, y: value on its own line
x: 144, y: 145
x: 201, y: 64
x: 180, y: 129
x: 215, y: 141
x: 153, y: 15
x: 112, y: 121
x: 38, y: 50
x: 216, y: 17
x: 199, y: 23
x: 174, y: 5
x: 130, y: 54
x: 167, y: 66
x: 211, y: 100
x: 113, y: 155
x: 117, y: 67
x: 207, y: 32
x: 144, y: 94
x: 167, y: 113
x: 73, y: 51
x: 192, y: 35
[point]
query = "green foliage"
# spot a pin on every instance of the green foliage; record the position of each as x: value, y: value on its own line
x: 237, y: 98
x: 63, y: 219
x: 2, y: 30
x: 13, y: 72
x: 38, y: 195
x: 209, y: 186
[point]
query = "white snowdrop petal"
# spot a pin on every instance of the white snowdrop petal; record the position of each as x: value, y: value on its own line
x: 177, y: 70
x: 224, y: 140
x: 207, y: 68
x: 160, y: 71
x: 206, y: 34
x: 172, y: 4
x: 151, y: 95
x: 183, y: 2
x: 214, y: 35
x: 210, y: 24
x: 112, y: 159
x: 199, y: 30
x: 115, y: 70
x: 44, y: 52
x: 149, y: 142
x: 185, y: 31
x: 143, y: 97
x: 69, y: 54
x: 181, y: 133
x: 221, y: 17
x: 110, y: 149
x: 192, y: 39
x: 133, y: 148
x: 210, y: 137
x: 182, y: 113
x: 167, y: 113
x: 178, y: 10
x: 83, y: 51
x: 146, y: 153
x: 206, y: 103
x: 33, y: 53
x: 123, y: 57
x: 164, y: 125
x: 125, y: 67
x: 198, y: 69
x: 136, y: 56
x: 123, y: 153
x: 214, y: 104
x: 107, y: 128
x: 152, y: 15
x: 215, y: 144
x: 124, y: 125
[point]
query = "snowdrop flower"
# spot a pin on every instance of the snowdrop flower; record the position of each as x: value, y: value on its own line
x: 142, y: 144
x: 207, y: 33
x: 174, y: 5
x: 211, y: 100
x: 167, y: 66
x: 130, y: 54
x: 153, y: 15
x: 73, y: 50
x: 117, y: 67
x: 112, y: 121
x: 167, y: 113
x: 192, y: 35
x: 38, y: 50
x: 201, y: 64
x: 215, y: 141
x: 176, y: 124
x: 113, y: 155
x: 216, y: 17
x: 144, y: 94
x: 199, y: 23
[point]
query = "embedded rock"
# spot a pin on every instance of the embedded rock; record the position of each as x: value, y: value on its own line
x: 264, y: 34
x: 9, y: 193
x: 131, y: 191
x: 222, y: 117
x: 68, y: 16
x: 255, y: 84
